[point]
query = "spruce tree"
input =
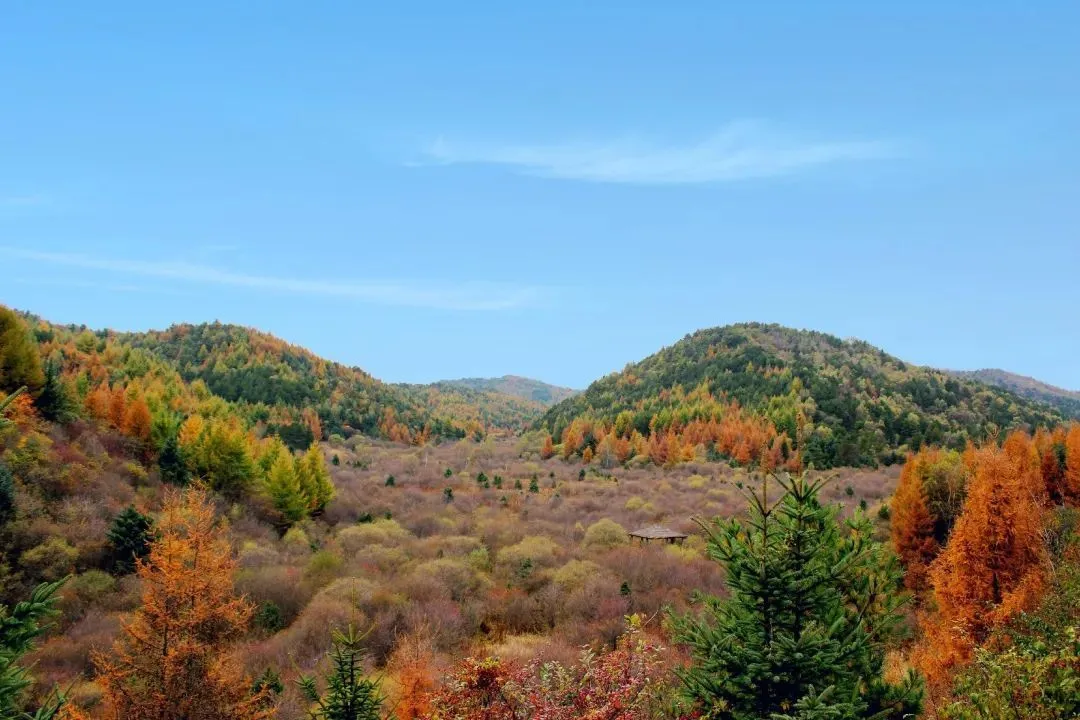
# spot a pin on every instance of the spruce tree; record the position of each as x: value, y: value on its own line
x: 349, y: 695
x: 54, y: 402
x: 813, y: 601
x: 130, y: 536
x: 20, y: 626
x: 171, y: 462
x: 7, y: 495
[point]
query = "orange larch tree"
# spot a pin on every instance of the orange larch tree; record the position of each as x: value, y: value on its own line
x: 1072, y: 463
x: 171, y: 662
x: 993, y: 564
x: 137, y: 420
x: 912, y: 526
x: 117, y: 407
x: 548, y: 448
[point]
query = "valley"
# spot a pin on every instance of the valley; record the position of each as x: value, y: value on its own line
x: 490, y: 520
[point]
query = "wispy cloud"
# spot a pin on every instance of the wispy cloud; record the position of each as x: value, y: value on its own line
x: 739, y: 151
x: 458, y: 296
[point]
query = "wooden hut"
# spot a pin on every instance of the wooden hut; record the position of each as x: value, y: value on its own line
x: 658, y: 532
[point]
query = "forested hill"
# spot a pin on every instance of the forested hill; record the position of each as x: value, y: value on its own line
x: 517, y: 386
x: 477, y: 411
x: 835, y: 402
x: 1067, y: 402
x: 246, y: 365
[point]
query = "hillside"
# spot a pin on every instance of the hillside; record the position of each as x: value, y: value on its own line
x: 1067, y: 402
x: 475, y: 409
x: 833, y: 402
x: 516, y: 386
x: 245, y: 365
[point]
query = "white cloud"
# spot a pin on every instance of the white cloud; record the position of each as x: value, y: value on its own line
x: 458, y: 296
x: 739, y: 151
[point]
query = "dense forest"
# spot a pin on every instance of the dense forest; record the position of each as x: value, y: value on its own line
x: 179, y: 542
x: 810, y: 396
x: 517, y: 386
x: 1067, y: 402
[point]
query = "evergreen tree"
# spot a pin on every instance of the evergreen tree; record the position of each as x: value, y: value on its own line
x: 349, y: 695
x: 130, y: 536
x: 4, y: 422
x: 19, y: 627
x: 284, y: 491
x: 7, y: 495
x: 802, y: 635
x: 54, y: 402
x: 171, y: 462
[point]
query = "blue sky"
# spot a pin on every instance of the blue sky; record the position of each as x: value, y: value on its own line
x: 433, y: 190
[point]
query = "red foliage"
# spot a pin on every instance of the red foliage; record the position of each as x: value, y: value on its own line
x: 622, y: 684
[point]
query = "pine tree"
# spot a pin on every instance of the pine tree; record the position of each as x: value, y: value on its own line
x: 812, y: 602
x: 172, y: 659
x: 19, y: 627
x: 54, y: 402
x: 130, y: 536
x: 349, y: 695
x: 284, y: 491
x: 6, y: 402
x: 171, y: 462
x: 7, y: 495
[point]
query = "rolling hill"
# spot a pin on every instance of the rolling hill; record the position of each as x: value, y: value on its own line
x: 837, y: 402
x: 516, y: 386
x: 1067, y: 402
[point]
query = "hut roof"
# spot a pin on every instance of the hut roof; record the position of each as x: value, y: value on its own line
x: 657, y: 532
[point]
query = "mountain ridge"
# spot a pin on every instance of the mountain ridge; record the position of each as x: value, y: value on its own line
x: 837, y: 401
x: 1065, y: 401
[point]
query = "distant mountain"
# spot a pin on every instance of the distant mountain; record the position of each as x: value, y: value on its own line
x: 516, y: 386
x: 473, y: 408
x: 1067, y: 402
x: 838, y: 402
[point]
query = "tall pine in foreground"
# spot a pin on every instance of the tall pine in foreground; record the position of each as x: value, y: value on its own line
x: 813, y: 600
x: 349, y: 694
x: 20, y: 626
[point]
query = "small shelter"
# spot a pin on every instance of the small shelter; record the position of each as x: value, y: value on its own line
x: 658, y: 532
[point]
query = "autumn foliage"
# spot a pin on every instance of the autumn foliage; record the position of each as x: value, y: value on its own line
x: 622, y: 684
x: 172, y: 660
x: 994, y: 564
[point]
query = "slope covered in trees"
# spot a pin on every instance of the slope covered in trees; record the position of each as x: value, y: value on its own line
x: 764, y: 392
x: 245, y: 365
x: 517, y: 386
x: 1067, y: 402
x: 474, y: 410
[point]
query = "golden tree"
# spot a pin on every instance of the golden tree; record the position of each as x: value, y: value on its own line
x: 1072, y: 463
x: 171, y: 661
x: 993, y: 564
x: 912, y: 526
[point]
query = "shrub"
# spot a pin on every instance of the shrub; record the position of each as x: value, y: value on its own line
x: 605, y: 534
x: 51, y: 560
x: 575, y: 573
